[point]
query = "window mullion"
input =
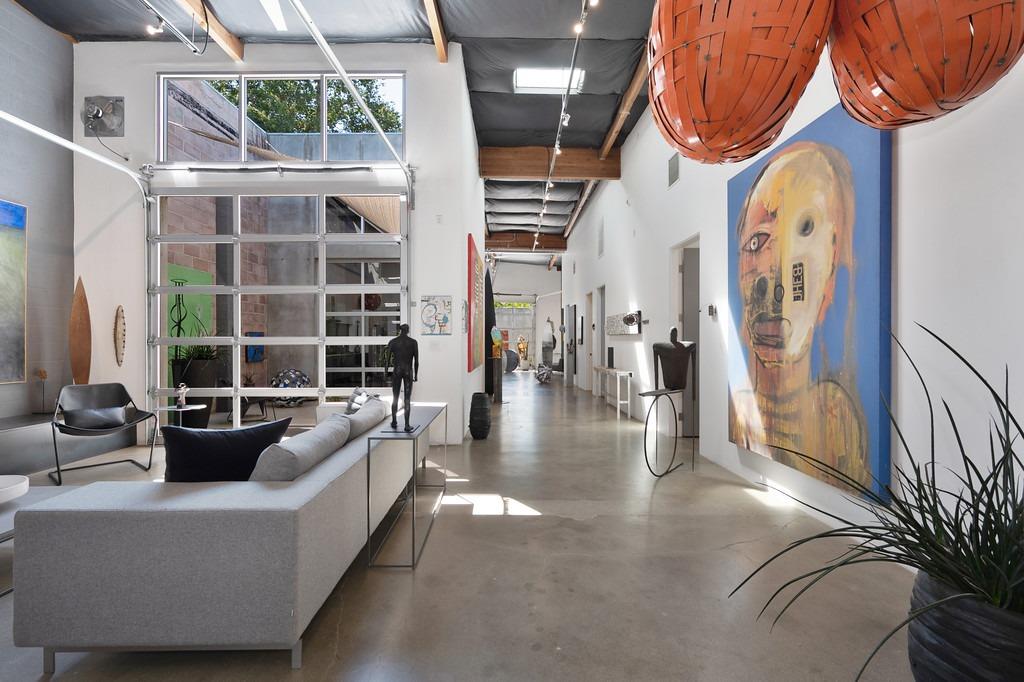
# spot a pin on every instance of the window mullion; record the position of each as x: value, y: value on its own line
x: 323, y: 117
x: 236, y: 302
x: 243, y: 117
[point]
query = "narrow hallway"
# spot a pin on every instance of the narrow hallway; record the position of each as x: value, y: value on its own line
x: 558, y: 556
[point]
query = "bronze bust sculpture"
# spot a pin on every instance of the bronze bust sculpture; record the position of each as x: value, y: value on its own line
x: 405, y: 353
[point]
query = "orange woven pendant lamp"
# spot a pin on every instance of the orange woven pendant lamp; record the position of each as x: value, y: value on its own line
x: 725, y: 76
x: 898, y: 62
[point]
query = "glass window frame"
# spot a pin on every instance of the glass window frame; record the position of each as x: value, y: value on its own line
x: 243, y: 79
x: 238, y: 341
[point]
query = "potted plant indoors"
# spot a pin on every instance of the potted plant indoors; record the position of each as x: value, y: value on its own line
x: 966, y: 618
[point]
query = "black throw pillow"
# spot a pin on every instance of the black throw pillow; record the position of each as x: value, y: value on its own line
x: 217, y: 454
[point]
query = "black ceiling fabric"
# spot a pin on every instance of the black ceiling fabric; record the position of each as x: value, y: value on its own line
x: 550, y: 219
x: 611, y: 20
x: 514, y: 189
x: 527, y: 206
x: 498, y: 37
x: 524, y: 227
x: 107, y: 19
x: 608, y: 65
x: 350, y: 21
x: 344, y: 21
x: 504, y: 120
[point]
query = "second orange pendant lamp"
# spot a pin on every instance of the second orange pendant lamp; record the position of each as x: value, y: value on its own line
x: 898, y: 62
x: 725, y: 76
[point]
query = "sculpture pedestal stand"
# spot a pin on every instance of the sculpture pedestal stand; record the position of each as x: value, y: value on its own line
x: 656, y: 468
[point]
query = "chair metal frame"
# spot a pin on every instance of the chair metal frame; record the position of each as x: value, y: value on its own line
x: 58, y: 424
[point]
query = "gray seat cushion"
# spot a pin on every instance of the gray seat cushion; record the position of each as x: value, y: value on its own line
x: 369, y: 415
x: 289, y: 459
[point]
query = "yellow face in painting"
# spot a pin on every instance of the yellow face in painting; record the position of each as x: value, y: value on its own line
x: 796, y: 218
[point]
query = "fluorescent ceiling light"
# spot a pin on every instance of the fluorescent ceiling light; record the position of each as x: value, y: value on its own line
x: 273, y: 10
x: 546, y: 81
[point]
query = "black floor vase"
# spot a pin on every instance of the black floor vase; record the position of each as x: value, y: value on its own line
x: 480, y: 416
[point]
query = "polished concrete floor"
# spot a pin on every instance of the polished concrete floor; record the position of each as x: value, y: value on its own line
x: 557, y: 556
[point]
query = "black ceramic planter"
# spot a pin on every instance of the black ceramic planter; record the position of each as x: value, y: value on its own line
x: 480, y: 416
x: 963, y: 640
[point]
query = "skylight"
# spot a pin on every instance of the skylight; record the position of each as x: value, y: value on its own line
x: 546, y: 81
x: 273, y: 10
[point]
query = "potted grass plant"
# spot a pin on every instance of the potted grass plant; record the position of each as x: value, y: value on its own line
x: 966, y: 541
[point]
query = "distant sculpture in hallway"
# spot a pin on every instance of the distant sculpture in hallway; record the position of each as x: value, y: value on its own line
x: 674, y: 359
x: 404, y: 351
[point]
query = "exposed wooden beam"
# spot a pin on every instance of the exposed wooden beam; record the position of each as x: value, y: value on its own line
x: 552, y: 260
x: 636, y: 86
x: 227, y: 40
x: 523, y: 241
x: 437, y: 30
x: 588, y: 189
x: 531, y: 163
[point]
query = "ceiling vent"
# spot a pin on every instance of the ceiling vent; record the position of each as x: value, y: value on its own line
x: 673, y: 169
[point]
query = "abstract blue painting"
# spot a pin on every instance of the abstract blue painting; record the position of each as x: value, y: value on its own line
x: 13, y: 291
x: 809, y: 301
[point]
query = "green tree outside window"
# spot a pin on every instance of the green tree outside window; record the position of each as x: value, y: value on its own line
x: 294, y: 105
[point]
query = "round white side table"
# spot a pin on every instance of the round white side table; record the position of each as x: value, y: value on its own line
x: 12, y: 487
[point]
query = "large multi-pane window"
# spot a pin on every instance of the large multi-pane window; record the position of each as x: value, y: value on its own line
x: 267, y: 305
x: 278, y: 118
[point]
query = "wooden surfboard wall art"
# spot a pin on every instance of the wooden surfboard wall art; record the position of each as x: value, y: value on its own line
x: 80, y: 336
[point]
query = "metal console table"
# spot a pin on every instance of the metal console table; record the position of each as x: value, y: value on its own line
x: 423, y: 415
x: 600, y: 372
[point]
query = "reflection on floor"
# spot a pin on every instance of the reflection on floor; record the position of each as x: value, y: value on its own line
x: 557, y: 556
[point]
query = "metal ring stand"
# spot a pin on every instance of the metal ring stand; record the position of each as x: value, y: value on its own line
x: 672, y: 466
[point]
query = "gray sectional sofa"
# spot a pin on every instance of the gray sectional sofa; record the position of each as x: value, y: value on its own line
x: 235, y: 565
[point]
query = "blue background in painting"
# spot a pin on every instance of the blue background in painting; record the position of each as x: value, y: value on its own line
x: 12, y: 215
x: 870, y: 156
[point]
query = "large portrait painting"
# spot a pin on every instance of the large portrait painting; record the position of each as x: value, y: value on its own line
x: 475, y: 295
x: 809, y: 299
x: 13, y: 291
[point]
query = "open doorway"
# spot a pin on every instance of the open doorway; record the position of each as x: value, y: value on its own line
x: 688, y: 261
x: 587, y: 343
x: 571, y: 351
x: 597, y: 338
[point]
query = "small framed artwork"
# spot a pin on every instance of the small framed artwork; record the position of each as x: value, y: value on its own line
x: 254, y: 353
x: 436, y: 315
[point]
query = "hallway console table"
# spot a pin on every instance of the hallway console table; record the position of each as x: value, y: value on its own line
x: 423, y: 415
x: 600, y: 372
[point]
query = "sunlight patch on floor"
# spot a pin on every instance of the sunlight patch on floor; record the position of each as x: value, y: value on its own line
x: 490, y: 504
x: 770, y: 497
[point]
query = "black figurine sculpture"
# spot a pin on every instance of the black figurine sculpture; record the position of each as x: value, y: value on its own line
x: 674, y: 358
x: 405, y: 353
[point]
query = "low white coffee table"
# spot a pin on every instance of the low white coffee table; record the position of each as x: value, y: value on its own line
x: 12, y: 487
